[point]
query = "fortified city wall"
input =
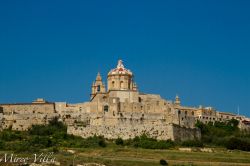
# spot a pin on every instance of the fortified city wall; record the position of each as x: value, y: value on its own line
x: 119, y: 110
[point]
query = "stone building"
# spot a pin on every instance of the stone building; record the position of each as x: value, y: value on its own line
x: 119, y: 110
x: 21, y: 116
x: 122, y: 111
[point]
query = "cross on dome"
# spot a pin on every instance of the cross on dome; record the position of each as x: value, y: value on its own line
x: 120, y: 69
x: 120, y: 64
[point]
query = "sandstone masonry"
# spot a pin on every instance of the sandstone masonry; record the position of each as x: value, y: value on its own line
x: 118, y: 111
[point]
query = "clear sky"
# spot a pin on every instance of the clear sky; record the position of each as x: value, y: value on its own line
x: 199, y: 50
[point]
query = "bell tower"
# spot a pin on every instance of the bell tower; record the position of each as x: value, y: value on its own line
x: 177, y: 100
x: 98, y: 86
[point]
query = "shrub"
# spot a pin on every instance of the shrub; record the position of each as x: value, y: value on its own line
x: 102, y: 143
x: 42, y: 141
x: 220, y: 134
x: 119, y: 141
x: 25, y: 146
x: 53, y: 127
x: 9, y: 135
x: 236, y: 143
x: 192, y: 143
x: 2, y: 145
x: 49, y: 136
x: 202, y: 127
x: 55, y: 149
x: 79, y: 142
x: 163, y: 162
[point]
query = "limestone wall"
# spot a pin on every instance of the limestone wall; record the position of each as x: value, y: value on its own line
x: 129, y: 125
x: 125, y: 129
x: 125, y: 96
x: 152, y: 129
x: 29, y: 108
x: 182, y: 133
x: 128, y: 114
x: 23, y: 116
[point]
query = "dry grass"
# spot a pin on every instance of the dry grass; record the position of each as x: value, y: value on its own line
x: 144, y: 157
x: 122, y: 156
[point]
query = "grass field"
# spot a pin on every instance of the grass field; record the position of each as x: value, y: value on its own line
x: 143, y: 157
x: 115, y: 156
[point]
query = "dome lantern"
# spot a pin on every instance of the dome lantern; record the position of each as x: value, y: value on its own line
x: 120, y: 70
x: 120, y: 78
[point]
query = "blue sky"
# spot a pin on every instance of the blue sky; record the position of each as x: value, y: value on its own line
x: 199, y: 50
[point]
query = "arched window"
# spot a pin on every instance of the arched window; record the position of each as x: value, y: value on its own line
x: 98, y: 88
x: 106, y: 108
x: 121, y: 85
x: 140, y: 100
x: 113, y: 84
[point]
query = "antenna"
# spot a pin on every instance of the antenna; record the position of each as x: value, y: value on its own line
x: 238, y: 110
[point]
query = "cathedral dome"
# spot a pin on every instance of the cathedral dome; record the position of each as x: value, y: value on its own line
x: 120, y: 70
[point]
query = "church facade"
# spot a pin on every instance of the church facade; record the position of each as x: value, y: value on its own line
x: 118, y: 110
x: 121, y: 111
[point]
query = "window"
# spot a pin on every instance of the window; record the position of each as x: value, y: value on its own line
x: 139, y: 99
x: 98, y: 88
x: 121, y: 84
x: 113, y: 84
x: 106, y: 108
x: 179, y: 112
